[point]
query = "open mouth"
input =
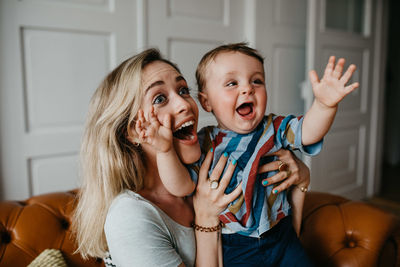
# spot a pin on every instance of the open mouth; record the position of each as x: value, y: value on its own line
x: 185, y: 131
x: 245, y: 109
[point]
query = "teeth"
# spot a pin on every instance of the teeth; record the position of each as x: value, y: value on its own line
x: 186, y: 124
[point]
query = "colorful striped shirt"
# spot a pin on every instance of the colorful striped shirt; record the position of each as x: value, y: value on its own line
x: 257, y: 209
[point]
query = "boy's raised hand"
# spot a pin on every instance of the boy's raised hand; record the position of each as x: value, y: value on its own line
x: 331, y: 89
x: 153, y: 132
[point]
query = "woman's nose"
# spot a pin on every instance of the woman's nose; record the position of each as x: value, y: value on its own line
x: 181, y: 105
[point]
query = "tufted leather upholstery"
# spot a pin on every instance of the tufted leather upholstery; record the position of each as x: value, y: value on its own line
x: 29, y: 227
x: 339, y: 232
x: 335, y: 231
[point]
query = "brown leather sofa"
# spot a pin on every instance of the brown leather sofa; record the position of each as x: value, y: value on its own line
x: 335, y: 231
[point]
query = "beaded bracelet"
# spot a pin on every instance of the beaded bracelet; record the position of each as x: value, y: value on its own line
x: 208, y: 229
x: 302, y: 189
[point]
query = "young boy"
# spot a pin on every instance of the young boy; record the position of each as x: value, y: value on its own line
x: 231, y: 83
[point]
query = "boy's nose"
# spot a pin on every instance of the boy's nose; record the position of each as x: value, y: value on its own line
x: 247, y: 89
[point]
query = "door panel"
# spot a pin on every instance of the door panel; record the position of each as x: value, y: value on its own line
x: 54, y: 55
x: 341, y: 29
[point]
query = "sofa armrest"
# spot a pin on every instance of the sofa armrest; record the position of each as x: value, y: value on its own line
x: 340, y: 232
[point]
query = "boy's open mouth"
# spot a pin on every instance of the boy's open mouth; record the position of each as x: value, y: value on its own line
x: 245, y: 109
x: 185, y: 132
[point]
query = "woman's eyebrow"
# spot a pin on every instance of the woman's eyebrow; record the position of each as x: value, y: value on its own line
x: 156, y: 83
x: 180, y: 78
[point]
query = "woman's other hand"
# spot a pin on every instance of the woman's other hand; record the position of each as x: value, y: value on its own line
x: 296, y: 173
x: 210, y: 200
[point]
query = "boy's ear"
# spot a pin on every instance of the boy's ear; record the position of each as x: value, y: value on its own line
x: 203, y: 98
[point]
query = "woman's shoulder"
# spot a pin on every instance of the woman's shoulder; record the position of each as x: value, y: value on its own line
x: 129, y: 202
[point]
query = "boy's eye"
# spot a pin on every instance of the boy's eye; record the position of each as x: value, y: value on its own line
x: 258, y: 81
x: 233, y: 83
x: 159, y: 99
x: 184, y: 91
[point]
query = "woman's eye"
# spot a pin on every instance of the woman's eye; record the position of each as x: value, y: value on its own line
x: 184, y: 91
x: 159, y: 99
x: 231, y: 84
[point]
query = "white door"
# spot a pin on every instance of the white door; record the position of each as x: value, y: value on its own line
x: 280, y: 37
x: 343, y: 28
x: 53, y: 53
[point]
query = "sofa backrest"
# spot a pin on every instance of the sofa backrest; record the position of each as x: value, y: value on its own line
x: 41, y: 222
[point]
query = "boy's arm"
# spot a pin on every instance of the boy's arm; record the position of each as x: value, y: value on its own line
x: 173, y: 173
x: 328, y: 93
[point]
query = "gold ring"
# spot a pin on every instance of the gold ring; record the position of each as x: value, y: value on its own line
x: 288, y: 173
x: 283, y: 166
x: 214, y: 184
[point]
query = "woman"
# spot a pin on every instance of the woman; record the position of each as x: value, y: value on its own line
x: 124, y: 207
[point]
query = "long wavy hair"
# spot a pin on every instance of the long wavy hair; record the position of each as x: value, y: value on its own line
x: 110, y: 162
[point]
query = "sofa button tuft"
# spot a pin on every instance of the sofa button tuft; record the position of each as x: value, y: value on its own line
x: 351, y: 244
x: 5, y: 237
x: 64, y: 224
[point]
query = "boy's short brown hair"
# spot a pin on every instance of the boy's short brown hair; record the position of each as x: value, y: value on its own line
x: 212, y: 54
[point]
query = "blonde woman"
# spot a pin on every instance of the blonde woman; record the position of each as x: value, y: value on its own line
x: 124, y: 208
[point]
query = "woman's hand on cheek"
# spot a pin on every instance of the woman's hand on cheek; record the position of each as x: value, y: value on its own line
x: 297, y: 172
x: 154, y: 133
x: 208, y: 202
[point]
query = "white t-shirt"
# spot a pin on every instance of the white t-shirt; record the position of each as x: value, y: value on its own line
x: 139, y: 233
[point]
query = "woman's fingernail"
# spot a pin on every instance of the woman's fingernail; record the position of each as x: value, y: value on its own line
x: 212, y: 149
x: 225, y: 154
x: 275, y: 191
x: 234, y: 162
x: 265, y: 182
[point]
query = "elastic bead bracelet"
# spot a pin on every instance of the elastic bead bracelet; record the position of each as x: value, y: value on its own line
x: 302, y: 189
x: 208, y: 229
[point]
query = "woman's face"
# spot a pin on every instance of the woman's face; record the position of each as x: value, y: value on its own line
x: 166, y: 90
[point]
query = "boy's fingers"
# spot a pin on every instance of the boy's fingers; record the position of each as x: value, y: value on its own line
x: 227, y: 175
x: 337, y: 72
x: 330, y: 65
x: 167, y: 121
x: 349, y: 72
x: 152, y: 116
x: 351, y: 87
x: 205, y: 166
x: 313, y: 77
x: 141, y: 116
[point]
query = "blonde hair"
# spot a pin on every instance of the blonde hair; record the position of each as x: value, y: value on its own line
x: 110, y: 162
x: 212, y: 54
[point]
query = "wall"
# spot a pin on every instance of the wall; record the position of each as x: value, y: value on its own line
x: 392, y: 109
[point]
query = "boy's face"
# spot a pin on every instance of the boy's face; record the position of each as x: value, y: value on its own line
x: 235, y: 91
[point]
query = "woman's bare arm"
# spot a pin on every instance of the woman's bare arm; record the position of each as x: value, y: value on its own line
x: 208, y: 203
